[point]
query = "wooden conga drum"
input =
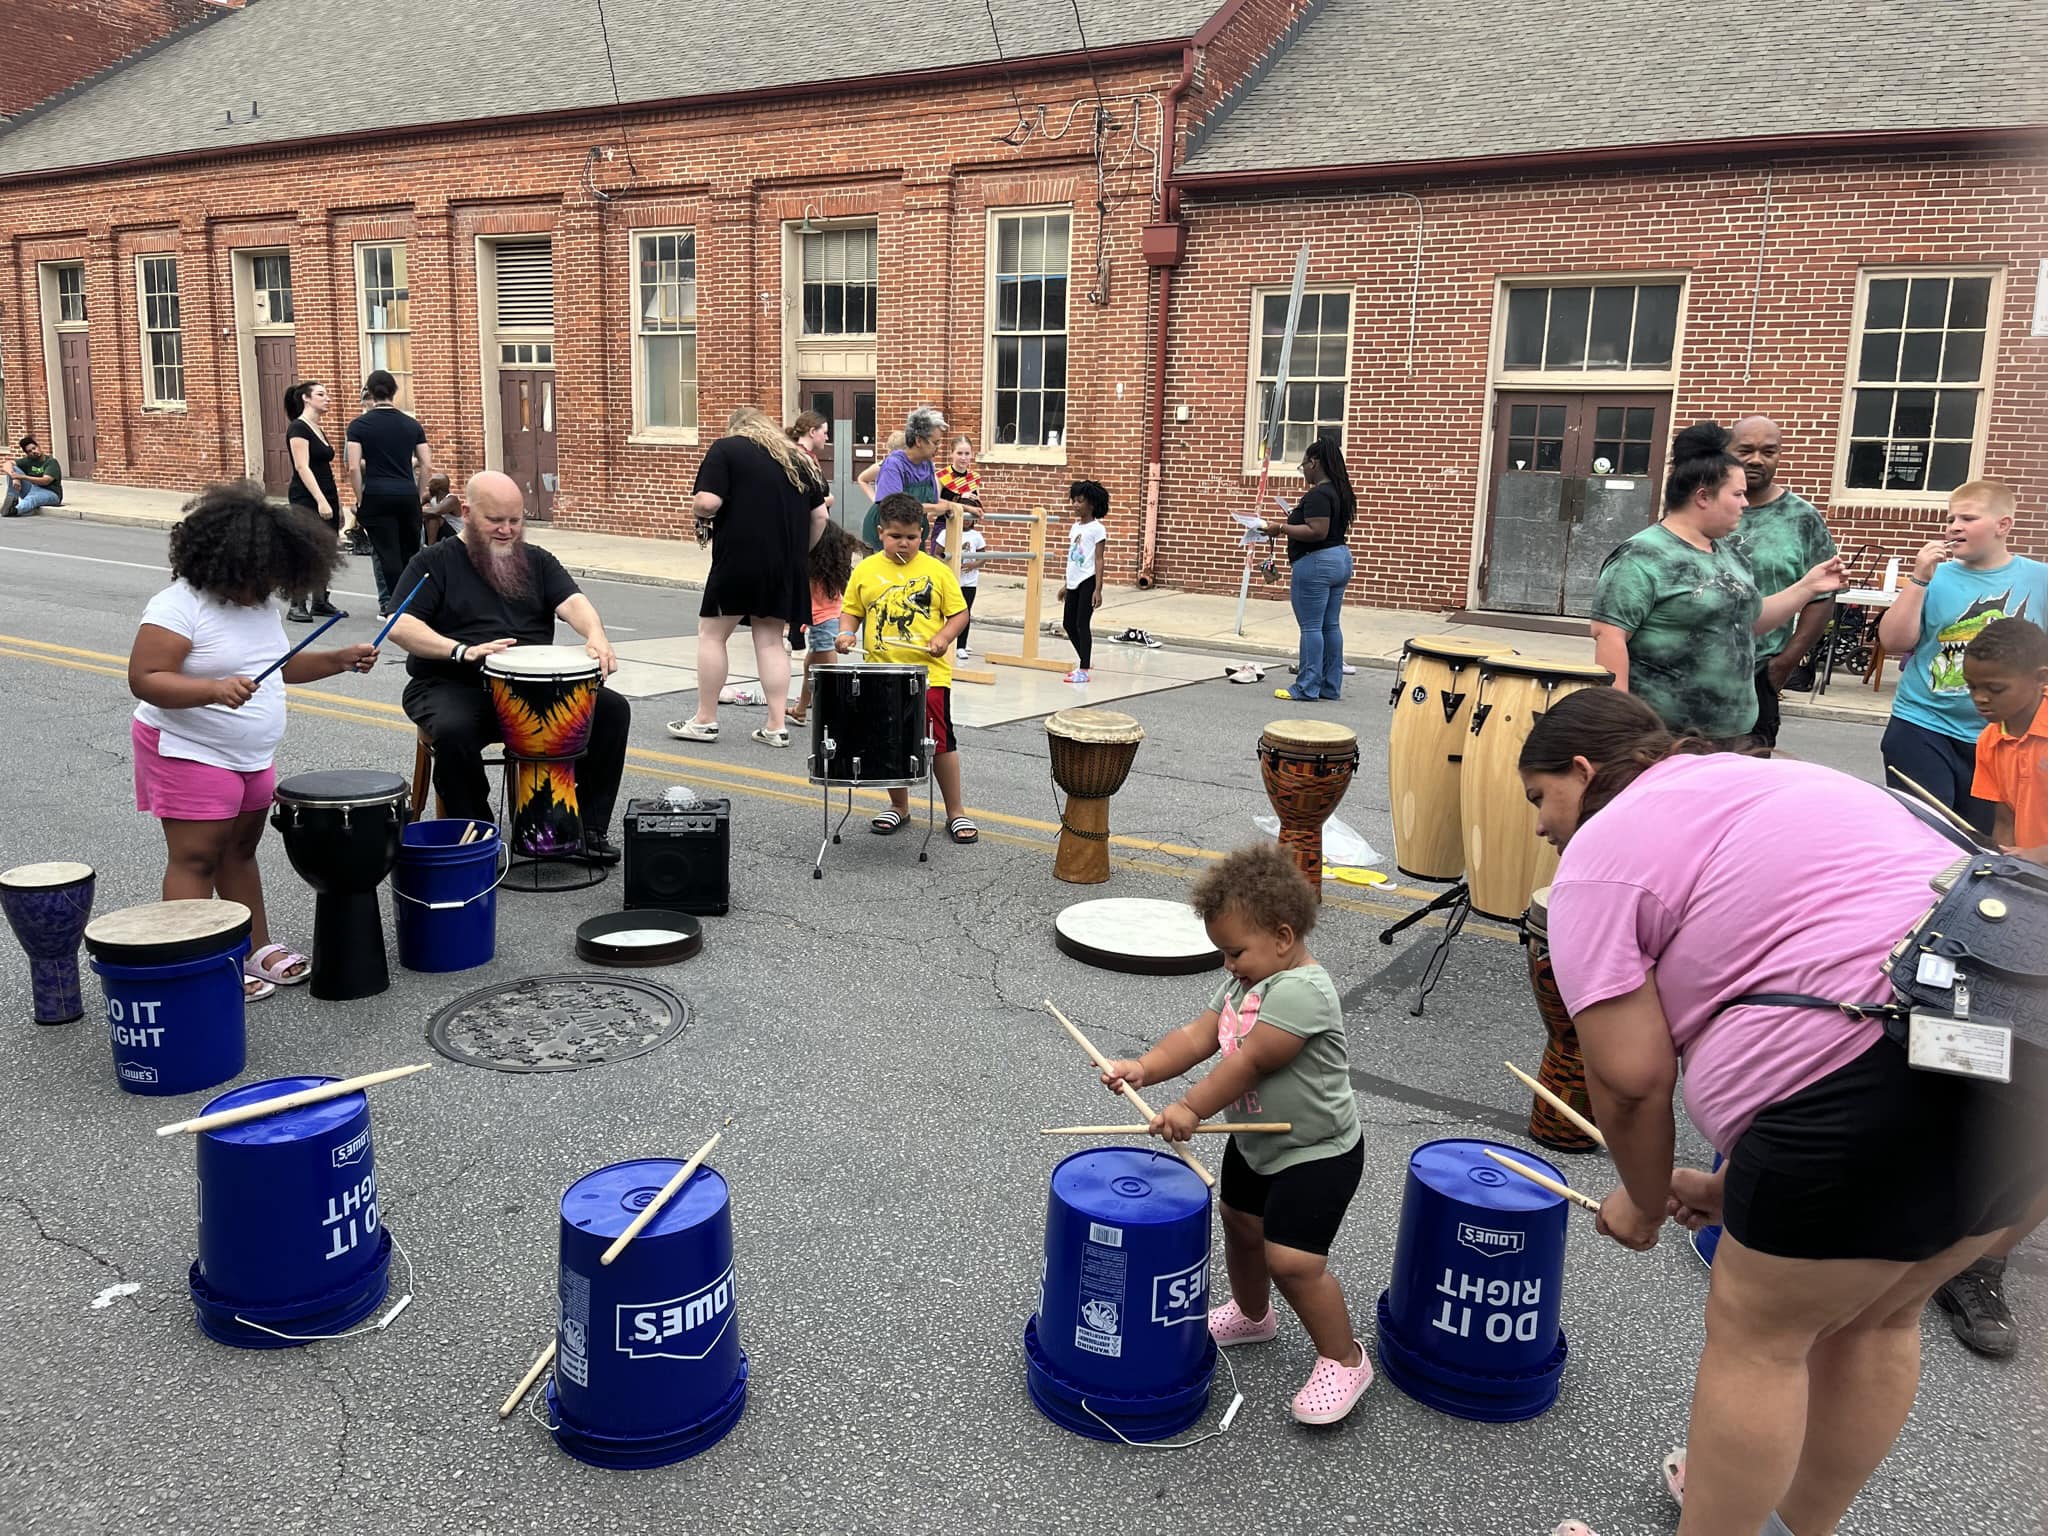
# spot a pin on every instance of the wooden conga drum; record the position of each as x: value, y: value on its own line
x: 1563, y: 1070
x: 1433, y: 696
x: 1307, y: 766
x: 1092, y: 751
x: 1504, y: 858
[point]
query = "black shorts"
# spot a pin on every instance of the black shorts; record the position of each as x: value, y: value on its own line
x: 1879, y: 1160
x: 1302, y: 1206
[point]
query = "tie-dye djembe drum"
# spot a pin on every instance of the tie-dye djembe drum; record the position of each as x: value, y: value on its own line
x: 1307, y: 765
x: 546, y: 697
x: 48, y: 906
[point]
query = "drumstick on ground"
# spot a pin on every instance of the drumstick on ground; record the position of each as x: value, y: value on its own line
x: 1225, y: 1128
x: 286, y: 1101
x: 526, y: 1382
x: 1558, y: 1104
x: 1130, y: 1094
x: 1544, y: 1179
x: 654, y: 1206
x: 1947, y: 813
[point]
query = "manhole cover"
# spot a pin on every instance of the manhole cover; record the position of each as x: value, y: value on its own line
x: 558, y: 1023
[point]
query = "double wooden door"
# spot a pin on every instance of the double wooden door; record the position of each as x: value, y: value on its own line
x: 849, y: 404
x: 526, y: 406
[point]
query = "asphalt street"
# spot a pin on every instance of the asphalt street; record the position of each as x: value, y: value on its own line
x: 874, y: 1049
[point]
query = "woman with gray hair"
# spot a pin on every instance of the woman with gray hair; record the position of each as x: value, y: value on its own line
x: 765, y: 500
x: 909, y: 469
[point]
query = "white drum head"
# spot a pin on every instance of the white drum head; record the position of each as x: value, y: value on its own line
x: 550, y: 661
x: 1129, y: 933
x: 167, y: 922
x: 1095, y: 726
x: 37, y: 877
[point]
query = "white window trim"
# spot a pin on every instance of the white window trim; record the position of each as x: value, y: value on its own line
x: 363, y: 332
x: 1585, y: 380
x: 1839, y: 491
x: 150, y: 402
x: 641, y: 435
x: 1259, y: 295
x: 989, y: 451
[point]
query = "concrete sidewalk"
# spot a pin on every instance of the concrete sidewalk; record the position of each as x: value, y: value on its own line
x: 1373, y: 637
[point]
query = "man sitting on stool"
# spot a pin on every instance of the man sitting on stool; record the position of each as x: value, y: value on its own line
x: 487, y: 591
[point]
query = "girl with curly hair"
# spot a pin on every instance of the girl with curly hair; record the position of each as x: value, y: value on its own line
x: 206, y: 733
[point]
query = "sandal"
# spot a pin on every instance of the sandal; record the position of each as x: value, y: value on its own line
x: 961, y: 830
x: 1673, y: 1467
x: 255, y: 988
x: 273, y: 963
x: 796, y: 716
x: 885, y: 822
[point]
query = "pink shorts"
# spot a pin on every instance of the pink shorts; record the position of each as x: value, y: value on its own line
x: 178, y: 789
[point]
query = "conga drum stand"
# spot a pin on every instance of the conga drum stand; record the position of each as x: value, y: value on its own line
x: 568, y: 870
x: 1456, y: 903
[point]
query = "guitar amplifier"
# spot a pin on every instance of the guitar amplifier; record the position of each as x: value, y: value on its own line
x: 679, y: 857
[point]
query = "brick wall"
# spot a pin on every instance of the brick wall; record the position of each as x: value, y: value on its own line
x: 49, y: 46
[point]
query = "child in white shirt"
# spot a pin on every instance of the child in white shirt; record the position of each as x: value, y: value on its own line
x: 1090, y: 504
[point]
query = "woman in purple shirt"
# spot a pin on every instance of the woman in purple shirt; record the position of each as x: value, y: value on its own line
x: 1854, y: 1184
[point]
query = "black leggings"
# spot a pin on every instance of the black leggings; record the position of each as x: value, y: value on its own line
x: 1080, y: 620
x: 968, y: 594
x: 393, y: 524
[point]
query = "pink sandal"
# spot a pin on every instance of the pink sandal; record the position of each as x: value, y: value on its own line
x: 1228, y: 1325
x: 1574, y: 1528
x: 273, y: 963
x: 1673, y: 1467
x: 1332, y: 1389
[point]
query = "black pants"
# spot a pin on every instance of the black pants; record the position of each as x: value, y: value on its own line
x: 965, y: 629
x: 1768, y: 719
x: 393, y: 525
x: 1080, y: 622
x: 461, y: 719
x: 1939, y: 763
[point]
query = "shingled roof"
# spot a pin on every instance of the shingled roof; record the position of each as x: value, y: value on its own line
x: 1393, y: 82
x: 319, y: 67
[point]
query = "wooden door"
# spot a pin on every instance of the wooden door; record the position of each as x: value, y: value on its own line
x: 849, y: 404
x: 277, y: 369
x: 74, y: 366
x: 526, y: 405
x: 1625, y: 446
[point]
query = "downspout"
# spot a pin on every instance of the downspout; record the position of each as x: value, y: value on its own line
x: 1170, y: 209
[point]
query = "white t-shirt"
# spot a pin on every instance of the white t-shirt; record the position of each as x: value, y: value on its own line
x: 1083, y: 540
x: 227, y: 641
x: 970, y: 546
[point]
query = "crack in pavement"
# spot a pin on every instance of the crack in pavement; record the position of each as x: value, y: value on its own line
x: 100, y: 1259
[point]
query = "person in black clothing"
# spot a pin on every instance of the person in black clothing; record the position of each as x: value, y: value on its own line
x: 387, y: 458
x: 312, y: 483
x: 1317, y: 528
x: 487, y: 591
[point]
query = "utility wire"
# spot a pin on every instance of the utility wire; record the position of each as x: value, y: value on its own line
x: 1003, y: 64
x: 604, y: 31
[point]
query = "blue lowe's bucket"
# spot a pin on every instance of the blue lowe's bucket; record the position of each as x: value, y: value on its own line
x: 290, y: 1245
x: 172, y: 975
x: 1470, y: 1324
x: 648, y: 1365
x: 1120, y: 1343
x: 446, y: 894
x: 1707, y: 1241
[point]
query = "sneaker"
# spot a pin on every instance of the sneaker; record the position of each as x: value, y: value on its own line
x: 1332, y: 1390
x: 964, y: 654
x: 324, y: 610
x: 1228, y: 1325
x: 1350, y: 670
x: 693, y: 730
x: 298, y: 613
x: 769, y: 738
x: 1075, y: 676
x: 1975, y: 1304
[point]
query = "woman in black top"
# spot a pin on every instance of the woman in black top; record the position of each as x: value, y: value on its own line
x: 1317, y: 527
x: 387, y: 457
x: 312, y: 482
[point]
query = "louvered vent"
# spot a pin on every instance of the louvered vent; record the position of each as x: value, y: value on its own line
x: 526, y: 284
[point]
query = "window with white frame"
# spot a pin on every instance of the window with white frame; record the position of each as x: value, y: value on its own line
x: 71, y: 295
x: 270, y: 280
x: 1918, y: 381
x: 163, y: 344
x: 1318, y: 373
x: 839, y: 282
x: 385, y: 314
x: 665, y: 331
x: 1027, y: 329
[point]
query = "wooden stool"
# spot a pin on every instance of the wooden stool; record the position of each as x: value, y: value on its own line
x: 423, y: 773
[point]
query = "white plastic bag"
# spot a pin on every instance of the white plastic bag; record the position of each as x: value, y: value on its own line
x: 1343, y: 848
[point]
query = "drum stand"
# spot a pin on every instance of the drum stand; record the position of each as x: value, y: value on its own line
x: 566, y: 871
x: 931, y: 821
x: 1456, y: 902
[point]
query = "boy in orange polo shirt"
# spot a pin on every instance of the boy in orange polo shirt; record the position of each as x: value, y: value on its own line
x: 2006, y: 669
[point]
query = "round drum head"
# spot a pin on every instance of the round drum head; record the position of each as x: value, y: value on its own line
x: 1538, y: 916
x: 1315, y: 736
x: 1456, y: 648
x: 341, y: 786
x: 1549, y: 671
x: 543, y: 661
x: 44, y: 877
x: 642, y: 936
x: 1108, y: 726
x: 165, y: 932
x: 1128, y: 933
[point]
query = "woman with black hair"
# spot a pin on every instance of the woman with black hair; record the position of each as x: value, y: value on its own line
x: 312, y: 484
x: 1318, y: 527
x: 206, y: 733
x: 1854, y: 1184
x: 1676, y: 613
x: 388, y: 462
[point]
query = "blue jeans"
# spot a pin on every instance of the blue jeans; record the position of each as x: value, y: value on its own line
x: 25, y: 500
x: 1317, y: 592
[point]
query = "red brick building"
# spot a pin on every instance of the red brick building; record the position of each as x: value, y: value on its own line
x: 51, y: 48
x: 928, y: 209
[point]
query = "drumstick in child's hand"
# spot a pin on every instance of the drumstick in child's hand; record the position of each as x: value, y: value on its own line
x: 1558, y: 1104
x: 1130, y: 1094
x: 1225, y: 1128
x: 1545, y: 1180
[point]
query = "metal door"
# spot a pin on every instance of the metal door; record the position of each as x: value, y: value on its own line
x: 74, y: 364
x: 526, y: 404
x: 849, y: 404
x: 277, y: 364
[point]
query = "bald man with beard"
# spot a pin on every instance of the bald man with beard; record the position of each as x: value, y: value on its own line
x: 1779, y: 530
x: 487, y: 591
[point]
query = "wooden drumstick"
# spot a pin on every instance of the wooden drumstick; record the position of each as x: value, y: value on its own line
x: 547, y: 1357
x: 1558, y: 1104
x: 1946, y: 811
x: 286, y: 1101
x: 1130, y: 1094
x: 1225, y: 1128
x: 654, y: 1206
x: 1543, y: 1179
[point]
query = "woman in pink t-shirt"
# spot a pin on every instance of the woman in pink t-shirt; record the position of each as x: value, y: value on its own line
x: 1854, y: 1185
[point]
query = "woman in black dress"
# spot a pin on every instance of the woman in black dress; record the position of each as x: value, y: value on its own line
x: 312, y: 483
x: 765, y: 499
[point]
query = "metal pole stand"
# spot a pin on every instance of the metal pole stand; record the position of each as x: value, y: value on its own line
x: 568, y: 870
x: 1457, y: 901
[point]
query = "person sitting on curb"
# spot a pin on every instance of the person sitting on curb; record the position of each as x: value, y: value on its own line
x: 34, y: 481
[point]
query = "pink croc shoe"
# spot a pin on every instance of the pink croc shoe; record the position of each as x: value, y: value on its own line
x: 1574, y: 1528
x: 1228, y: 1325
x: 1332, y: 1389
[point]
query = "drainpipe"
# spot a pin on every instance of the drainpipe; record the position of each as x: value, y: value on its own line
x: 1164, y: 244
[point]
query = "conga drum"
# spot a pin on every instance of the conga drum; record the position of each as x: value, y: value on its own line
x: 1092, y: 752
x: 1433, y: 697
x: 1563, y: 1070
x: 1307, y: 766
x: 546, y: 698
x: 48, y: 906
x: 1504, y: 858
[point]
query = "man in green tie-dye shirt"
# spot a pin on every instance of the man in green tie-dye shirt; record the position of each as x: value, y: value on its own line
x: 1782, y: 537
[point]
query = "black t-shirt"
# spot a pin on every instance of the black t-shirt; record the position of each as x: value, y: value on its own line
x: 1321, y: 501
x: 320, y: 460
x: 459, y: 603
x: 388, y: 437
